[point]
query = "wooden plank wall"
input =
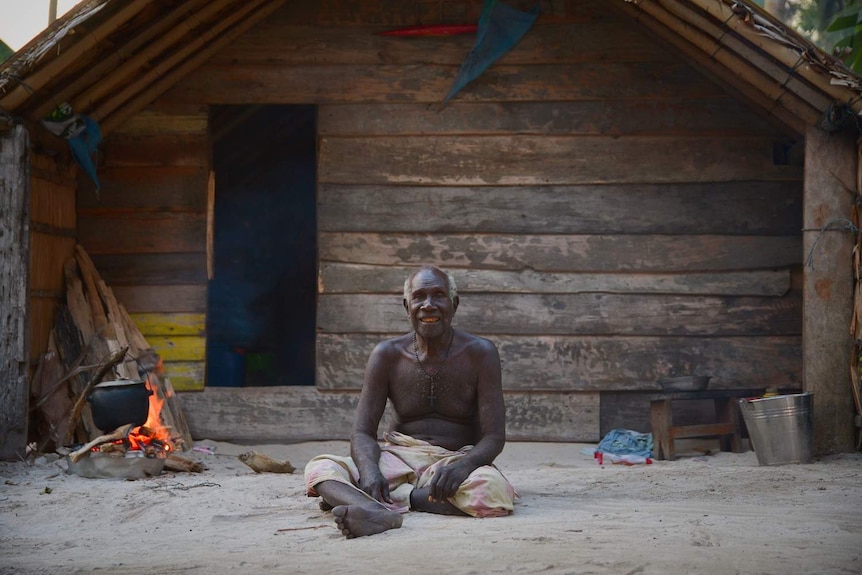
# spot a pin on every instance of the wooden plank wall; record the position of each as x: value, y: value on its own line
x: 611, y: 214
x: 53, y: 228
x: 146, y: 232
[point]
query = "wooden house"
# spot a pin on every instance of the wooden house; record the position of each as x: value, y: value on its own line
x: 636, y: 189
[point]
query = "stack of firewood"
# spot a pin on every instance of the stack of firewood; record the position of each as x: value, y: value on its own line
x: 94, y: 339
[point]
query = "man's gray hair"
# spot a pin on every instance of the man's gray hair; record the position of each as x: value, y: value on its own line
x: 453, y: 288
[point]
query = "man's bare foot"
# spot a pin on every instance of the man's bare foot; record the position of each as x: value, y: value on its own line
x: 324, y: 506
x: 359, y: 521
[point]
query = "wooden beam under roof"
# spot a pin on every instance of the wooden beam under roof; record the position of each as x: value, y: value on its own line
x: 124, y: 52
x: 168, y: 79
x: 32, y: 83
x: 796, y: 119
x: 113, y: 81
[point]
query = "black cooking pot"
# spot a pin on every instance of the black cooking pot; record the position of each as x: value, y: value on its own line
x: 117, y: 403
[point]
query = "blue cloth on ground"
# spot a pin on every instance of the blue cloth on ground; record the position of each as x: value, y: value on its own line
x: 626, y: 442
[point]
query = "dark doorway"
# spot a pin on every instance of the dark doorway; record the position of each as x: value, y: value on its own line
x: 262, y: 299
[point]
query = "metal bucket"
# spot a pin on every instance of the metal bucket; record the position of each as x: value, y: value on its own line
x: 780, y: 427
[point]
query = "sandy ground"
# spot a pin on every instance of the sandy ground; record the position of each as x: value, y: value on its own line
x: 720, y: 513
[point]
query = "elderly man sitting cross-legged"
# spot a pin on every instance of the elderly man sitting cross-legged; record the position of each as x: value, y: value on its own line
x: 445, y: 387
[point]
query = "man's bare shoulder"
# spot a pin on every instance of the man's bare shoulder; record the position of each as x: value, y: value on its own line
x: 390, y: 347
x: 479, y: 345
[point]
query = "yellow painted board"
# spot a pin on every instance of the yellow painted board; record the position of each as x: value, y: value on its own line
x: 152, y: 324
x: 185, y: 375
x: 179, y: 348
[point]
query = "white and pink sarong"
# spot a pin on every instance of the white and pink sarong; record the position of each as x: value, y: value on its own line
x: 407, y: 464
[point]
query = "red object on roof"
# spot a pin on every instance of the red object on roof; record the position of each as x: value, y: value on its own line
x: 433, y: 30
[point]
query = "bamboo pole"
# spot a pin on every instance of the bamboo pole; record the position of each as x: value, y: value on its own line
x: 95, y: 73
x: 666, y: 27
x: 174, y: 59
x: 788, y: 56
x: 784, y: 74
x: 109, y: 84
x: 38, y: 79
x: 157, y: 88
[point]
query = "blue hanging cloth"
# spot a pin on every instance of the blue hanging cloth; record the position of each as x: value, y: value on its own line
x: 84, y: 146
x: 500, y: 28
x: 82, y: 133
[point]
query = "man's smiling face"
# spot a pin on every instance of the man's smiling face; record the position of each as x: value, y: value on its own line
x: 429, y: 306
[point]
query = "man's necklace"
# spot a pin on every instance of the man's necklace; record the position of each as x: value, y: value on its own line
x: 432, y: 378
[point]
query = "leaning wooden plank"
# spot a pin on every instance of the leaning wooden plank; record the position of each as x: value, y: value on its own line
x: 596, y: 363
x: 565, y: 253
x: 350, y: 278
x: 581, y: 314
x: 89, y: 277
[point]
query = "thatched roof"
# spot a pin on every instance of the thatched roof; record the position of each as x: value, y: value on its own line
x: 111, y: 58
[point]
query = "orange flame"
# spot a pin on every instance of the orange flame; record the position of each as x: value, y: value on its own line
x: 153, y: 428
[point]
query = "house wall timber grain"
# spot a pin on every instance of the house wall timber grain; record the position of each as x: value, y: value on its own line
x: 611, y: 214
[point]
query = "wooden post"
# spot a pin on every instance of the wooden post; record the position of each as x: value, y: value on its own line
x: 830, y: 181
x: 14, y: 286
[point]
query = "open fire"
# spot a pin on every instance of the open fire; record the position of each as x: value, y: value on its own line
x: 128, y: 452
x: 152, y: 439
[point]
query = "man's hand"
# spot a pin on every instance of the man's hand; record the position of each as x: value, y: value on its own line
x: 447, y: 479
x: 375, y: 485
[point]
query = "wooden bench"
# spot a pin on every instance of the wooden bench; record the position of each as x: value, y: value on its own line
x: 727, y: 424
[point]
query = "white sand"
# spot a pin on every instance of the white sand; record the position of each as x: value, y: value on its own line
x: 709, y: 514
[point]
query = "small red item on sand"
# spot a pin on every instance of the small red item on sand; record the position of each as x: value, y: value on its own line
x: 433, y: 30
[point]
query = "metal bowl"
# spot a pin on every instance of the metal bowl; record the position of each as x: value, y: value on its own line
x: 685, y: 383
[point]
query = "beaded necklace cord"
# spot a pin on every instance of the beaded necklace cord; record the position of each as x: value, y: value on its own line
x: 432, y: 379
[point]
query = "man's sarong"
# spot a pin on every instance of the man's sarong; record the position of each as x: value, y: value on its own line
x: 407, y: 464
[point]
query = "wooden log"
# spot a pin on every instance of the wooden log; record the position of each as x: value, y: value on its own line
x: 52, y: 390
x: 119, y: 433
x: 70, y: 346
x: 830, y: 166
x: 14, y: 274
x: 263, y: 463
x: 175, y: 462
